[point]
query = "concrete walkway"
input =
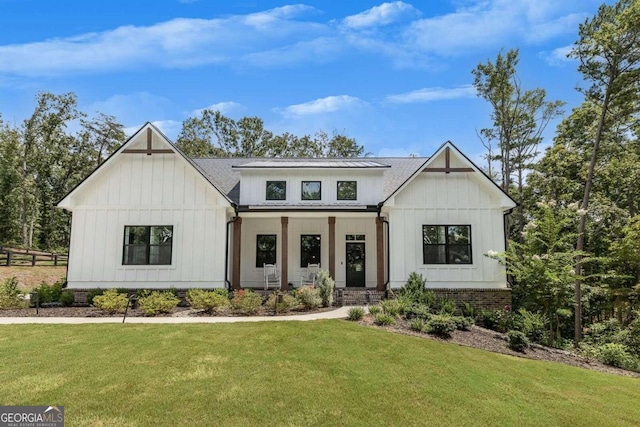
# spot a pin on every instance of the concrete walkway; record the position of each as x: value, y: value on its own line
x: 339, y: 313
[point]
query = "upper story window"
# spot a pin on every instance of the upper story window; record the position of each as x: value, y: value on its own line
x: 311, y: 190
x: 347, y: 190
x: 276, y: 190
x: 446, y: 244
x: 147, y: 245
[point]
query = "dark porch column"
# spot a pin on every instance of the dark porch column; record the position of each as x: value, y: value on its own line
x: 285, y: 253
x: 379, y: 255
x: 235, y: 269
x: 332, y: 247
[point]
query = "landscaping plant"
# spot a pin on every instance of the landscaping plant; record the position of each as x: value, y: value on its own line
x: 10, y: 295
x: 355, y: 314
x: 158, y: 302
x: 326, y: 285
x: 67, y: 298
x: 441, y: 325
x: 384, y: 319
x: 209, y: 301
x: 309, y: 297
x: 246, y: 301
x: 288, y: 303
x: 517, y: 341
x: 111, y: 301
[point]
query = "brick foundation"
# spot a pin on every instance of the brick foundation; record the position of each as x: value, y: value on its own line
x: 487, y: 299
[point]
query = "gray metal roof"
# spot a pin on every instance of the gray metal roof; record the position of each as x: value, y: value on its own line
x: 310, y: 163
x: 225, y: 172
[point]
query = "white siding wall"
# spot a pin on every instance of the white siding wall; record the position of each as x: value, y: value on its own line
x: 447, y: 199
x: 253, y: 186
x: 147, y: 190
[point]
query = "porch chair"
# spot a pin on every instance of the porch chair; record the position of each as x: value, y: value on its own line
x: 310, y: 277
x: 271, y: 276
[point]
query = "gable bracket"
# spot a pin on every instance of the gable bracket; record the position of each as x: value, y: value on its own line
x: 148, y: 151
x: 447, y: 165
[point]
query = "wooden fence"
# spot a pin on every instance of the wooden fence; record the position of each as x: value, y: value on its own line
x: 28, y: 257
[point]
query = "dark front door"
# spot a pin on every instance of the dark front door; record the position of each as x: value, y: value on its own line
x: 355, y: 265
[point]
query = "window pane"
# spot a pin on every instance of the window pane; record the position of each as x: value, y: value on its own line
x: 309, y: 249
x: 459, y: 254
x: 311, y: 190
x: 147, y: 245
x: 433, y: 234
x: 161, y: 235
x: 458, y: 234
x: 434, y: 254
x: 135, y: 254
x: 347, y: 190
x: 265, y: 249
x: 276, y: 190
x: 136, y: 235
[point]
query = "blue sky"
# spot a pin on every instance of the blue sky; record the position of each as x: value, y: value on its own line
x: 396, y: 76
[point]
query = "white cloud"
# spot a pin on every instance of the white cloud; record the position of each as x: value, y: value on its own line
x: 133, y: 107
x: 557, y: 57
x: 430, y: 94
x: 384, y: 14
x: 323, y: 105
x: 226, y: 107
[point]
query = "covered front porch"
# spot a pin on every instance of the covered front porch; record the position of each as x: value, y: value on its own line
x: 351, y: 246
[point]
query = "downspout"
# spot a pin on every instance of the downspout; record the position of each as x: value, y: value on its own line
x: 386, y: 221
x: 226, y: 249
x: 506, y: 241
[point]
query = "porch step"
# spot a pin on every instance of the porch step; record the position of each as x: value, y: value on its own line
x: 358, y: 296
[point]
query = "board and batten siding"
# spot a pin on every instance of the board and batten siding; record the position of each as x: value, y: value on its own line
x: 447, y: 199
x: 161, y: 189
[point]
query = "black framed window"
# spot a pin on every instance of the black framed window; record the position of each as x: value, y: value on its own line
x: 147, y: 245
x: 347, y: 190
x: 309, y: 249
x: 265, y: 249
x: 311, y: 190
x: 446, y: 244
x: 276, y: 190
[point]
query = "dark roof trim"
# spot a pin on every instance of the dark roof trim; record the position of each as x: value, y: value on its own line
x: 368, y: 208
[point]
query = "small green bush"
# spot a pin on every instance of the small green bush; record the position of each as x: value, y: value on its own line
x: 441, y: 325
x: 384, y: 319
x: 158, y: 302
x: 418, y: 311
x: 614, y: 354
x: 326, y: 286
x: 517, y: 341
x: 462, y: 323
x: 309, y: 297
x: 415, y: 290
x: 10, y: 295
x: 533, y: 324
x: 246, y: 301
x: 222, y: 291
x: 355, y: 313
x: 499, y: 320
x: 418, y: 324
x: 92, y: 293
x: 209, y: 301
x: 67, y: 298
x: 47, y: 294
x: 469, y: 310
x: 374, y: 310
x: 390, y: 307
x: 288, y: 303
x: 111, y: 301
x: 447, y: 306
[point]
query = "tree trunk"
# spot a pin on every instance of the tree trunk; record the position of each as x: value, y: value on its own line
x: 583, y: 220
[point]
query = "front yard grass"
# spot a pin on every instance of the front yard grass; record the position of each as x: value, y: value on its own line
x: 293, y: 373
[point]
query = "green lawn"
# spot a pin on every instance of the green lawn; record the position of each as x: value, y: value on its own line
x: 293, y: 373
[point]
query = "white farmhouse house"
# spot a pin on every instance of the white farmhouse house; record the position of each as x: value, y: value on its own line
x: 150, y: 217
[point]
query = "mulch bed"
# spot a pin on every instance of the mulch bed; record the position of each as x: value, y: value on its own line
x: 489, y: 340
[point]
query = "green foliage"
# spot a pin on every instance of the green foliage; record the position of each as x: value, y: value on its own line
x: 222, y: 291
x: 418, y: 311
x: 67, y: 298
x: 92, y: 293
x: 309, y: 297
x: 498, y: 320
x: 415, y: 290
x: 209, y: 301
x: 158, y: 302
x: 374, y: 310
x: 615, y: 354
x: 533, y: 325
x: 246, y: 301
x: 355, y: 314
x: 288, y: 303
x: 49, y: 293
x: 326, y: 285
x: 111, y: 301
x: 469, y: 310
x: 10, y: 295
x: 418, y: 324
x: 517, y: 341
x: 391, y: 307
x: 383, y: 319
x: 447, y: 306
x: 441, y: 325
x: 462, y: 323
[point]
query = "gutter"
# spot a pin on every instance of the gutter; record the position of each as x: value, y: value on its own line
x: 226, y: 248
x: 386, y: 221
x: 506, y: 239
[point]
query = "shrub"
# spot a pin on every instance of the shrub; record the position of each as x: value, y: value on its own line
x: 92, y: 293
x: 355, y: 314
x: 288, y: 303
x: 111, y: 301
x: 383, y: 319
x: 469, y: 310
x: 158, y: 302
x: 441, y: 325
x: 374, y: 310
x: 447, y: 306
x: 48, y: 293
x: 462, y: 323
x: 517, y: 341
x: 533, y: 324
x: 309, y: 297
x: 614, y: 354
x: 326, y: 285
x: 415, y: 290
x: 417, y: 324
x: 67, y: 298
x: 418, y: 311
x: 603, y: 331
x: 390, y: 307
x: 498, y: 320
x: 10, y: 295
x: 209, y: 301
x: 246, y: 301
x: 222, y: 291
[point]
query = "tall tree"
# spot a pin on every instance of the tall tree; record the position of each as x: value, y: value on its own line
x: 608, y: 49
x: 10, y: 184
